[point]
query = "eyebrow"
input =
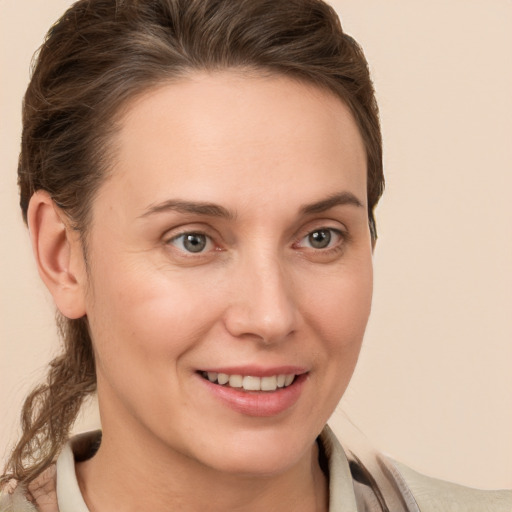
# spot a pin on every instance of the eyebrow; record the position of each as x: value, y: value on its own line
x: 340, y: 199
x: 215, y: 210
x: 193, y: 207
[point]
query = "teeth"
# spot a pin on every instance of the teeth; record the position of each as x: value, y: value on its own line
x: 223, y: 378
x: 269, y: 383
x: 251, y: 383
x: 235, y: 381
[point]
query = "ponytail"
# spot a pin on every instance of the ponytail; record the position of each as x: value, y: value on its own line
x: 50, y: 410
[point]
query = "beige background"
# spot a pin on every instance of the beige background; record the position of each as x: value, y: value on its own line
x: 434, y: 383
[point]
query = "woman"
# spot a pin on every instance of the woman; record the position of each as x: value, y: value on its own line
x: 199, y: 179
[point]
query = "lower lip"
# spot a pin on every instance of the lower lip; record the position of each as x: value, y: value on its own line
x: 258, y: 403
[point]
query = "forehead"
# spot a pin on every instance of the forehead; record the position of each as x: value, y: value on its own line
x: 245, y: 132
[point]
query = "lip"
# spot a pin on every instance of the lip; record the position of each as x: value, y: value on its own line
x: 257, y: 403
x: 256, y: 371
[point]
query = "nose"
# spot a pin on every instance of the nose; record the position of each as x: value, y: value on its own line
x: 263, y: 303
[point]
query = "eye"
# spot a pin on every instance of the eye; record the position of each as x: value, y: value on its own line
x: 192, y: 242
x: 320, y: 239
x: 324, y: 238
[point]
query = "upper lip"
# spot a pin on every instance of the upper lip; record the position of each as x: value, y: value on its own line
x: 256, y: 370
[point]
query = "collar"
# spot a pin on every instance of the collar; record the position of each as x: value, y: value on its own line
x: 69, y: 496
x: 341, y: 488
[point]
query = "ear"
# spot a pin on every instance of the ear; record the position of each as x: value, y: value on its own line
x: 58, y: 253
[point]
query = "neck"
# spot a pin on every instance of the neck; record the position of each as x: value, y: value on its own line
x: 125, y: 475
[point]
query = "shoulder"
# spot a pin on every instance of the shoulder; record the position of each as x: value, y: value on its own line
x: 434, y: 495
x: 39, y: 496
x: 14, y: 499
x: 382, y: 484
x: 50, y: 490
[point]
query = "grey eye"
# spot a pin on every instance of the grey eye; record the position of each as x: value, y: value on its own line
x: 194, y: 242
x: 191, y: 242
x: 320, y: 239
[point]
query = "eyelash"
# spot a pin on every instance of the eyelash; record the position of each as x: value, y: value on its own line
x: 340, y: 238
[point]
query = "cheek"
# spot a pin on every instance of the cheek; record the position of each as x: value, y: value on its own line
x: 338, y: 314
x: 148, y: 317
x: 342, y: 306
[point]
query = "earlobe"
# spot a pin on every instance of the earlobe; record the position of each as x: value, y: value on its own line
x: 58, y: 255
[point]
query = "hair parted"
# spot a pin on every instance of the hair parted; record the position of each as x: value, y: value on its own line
x: 100, y: 55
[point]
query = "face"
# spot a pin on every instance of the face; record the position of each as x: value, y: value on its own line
x: 230, y: 270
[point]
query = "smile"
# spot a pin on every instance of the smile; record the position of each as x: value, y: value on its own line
x: 249, y: 382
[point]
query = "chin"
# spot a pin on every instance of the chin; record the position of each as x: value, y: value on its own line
x: 267, y: 463
x: 258, y: 454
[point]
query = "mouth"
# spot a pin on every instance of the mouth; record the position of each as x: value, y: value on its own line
x: 256, y: 391
x: 268, y: 383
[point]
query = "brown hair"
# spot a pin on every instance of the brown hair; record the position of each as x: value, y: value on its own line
x: 102, y: 53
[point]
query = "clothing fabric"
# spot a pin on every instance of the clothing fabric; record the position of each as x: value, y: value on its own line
x: 366, y: 483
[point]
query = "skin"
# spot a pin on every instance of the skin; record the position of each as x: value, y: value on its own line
x: 261, y: 148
